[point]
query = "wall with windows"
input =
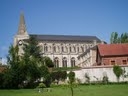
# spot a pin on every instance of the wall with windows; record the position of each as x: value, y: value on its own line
x: 117, y: 60
x: 64, y: 54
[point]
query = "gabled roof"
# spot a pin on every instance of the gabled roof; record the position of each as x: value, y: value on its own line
x: 113, y: 49
x: 65, y: 38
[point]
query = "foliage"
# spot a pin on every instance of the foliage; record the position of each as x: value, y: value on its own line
x: 1, y: 80
x: 71, y: 76
x: 115, y: 38
x: 58, y: 75
x: 48, y: 62
x: 41, y: 85
x: 47, y: 80
x: 105, y: 79
x: 87, y: 77
x: 117, y: 71
x: 25, y: 69
x: 13, y: 76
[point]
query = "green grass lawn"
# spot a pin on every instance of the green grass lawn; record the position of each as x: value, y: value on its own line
x: 81, y: 90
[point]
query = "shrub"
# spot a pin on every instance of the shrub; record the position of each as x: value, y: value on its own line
x: 87, y: 77
x: 117, y: 71
x: 41, y: 85
x: 105, y: 79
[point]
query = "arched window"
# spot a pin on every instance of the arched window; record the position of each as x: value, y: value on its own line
x: 45, y: 48
x: 72, y: 62
x: 54, y: 48
x: 66, y: 49
x: 56, y: 62
x: 62, y: 48
x: 82, y: 49
x: 74, y: 49
x: 64, y: 62
x: 78, y: 49
x: 70, y: 48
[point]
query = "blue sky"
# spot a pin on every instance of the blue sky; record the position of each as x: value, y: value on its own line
x: 63, y: 17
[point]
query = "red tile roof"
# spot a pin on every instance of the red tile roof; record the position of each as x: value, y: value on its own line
x: 113, y: 49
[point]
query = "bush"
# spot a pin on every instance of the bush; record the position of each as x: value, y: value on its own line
x: 117, y: 71
x: 87, y: 77
x: 105, y: 79
x: 59, y: 75
x: 41, y: 85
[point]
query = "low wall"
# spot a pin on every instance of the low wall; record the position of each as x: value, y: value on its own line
x: 96, y: 73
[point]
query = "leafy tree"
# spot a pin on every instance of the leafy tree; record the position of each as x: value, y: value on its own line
x: 115, y: 38
x: 48, y: 62
x: 32, y: 61
x: 71, y: 76
x: 117, y: 71
x: 124, y: 38
x: 13, y: 75
x: 59, y: 75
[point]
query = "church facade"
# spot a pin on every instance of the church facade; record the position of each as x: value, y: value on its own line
x: 62, y: 49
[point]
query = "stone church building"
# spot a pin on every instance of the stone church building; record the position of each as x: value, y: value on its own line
x: 71, y: 51
x: 62, y: 49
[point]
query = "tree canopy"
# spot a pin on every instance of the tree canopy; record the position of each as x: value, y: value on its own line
x: 116, y: 38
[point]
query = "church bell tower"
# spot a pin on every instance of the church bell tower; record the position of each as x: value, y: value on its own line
x: 22, y: 32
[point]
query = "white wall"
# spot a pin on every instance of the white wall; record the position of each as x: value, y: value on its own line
x: 98, y: 73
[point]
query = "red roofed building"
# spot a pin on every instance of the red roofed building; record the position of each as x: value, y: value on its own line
x: 112, y: 54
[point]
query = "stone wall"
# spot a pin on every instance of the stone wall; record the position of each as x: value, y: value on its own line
x: 96, y: 73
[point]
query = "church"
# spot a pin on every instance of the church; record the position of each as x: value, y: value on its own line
x: 93, y: 56
x: 62, y: 49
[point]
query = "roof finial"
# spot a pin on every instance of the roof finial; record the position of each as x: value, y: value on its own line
x: 22, y: 27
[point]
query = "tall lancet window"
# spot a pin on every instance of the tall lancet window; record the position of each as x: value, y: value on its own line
x: 54, y: 48
x: 56, y: 62
x: 62, y: 48
x: 45, y: 48
x: 82, y: 48
x: 72, y: 62
x: 64, y: 62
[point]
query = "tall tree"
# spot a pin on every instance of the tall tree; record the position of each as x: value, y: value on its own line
x: 32, y: 60
x: 13, y: 77
x: 124, y: 38
x: 71, y: 76
x: 117, y: 71
x: 114, y: 37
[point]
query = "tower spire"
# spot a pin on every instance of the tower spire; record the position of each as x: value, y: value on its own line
x: 22, y: 27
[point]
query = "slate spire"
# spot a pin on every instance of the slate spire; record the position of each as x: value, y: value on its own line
x: 22, y: 27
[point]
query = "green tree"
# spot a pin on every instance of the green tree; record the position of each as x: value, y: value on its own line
x: 32, y: 61
x: 36, y: 66
x: 124, y: 38
x: 117, y: 71
x: 48, y: 62
x: 114, y: 37
x: 13, y: 75
x: 71, y: 76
